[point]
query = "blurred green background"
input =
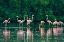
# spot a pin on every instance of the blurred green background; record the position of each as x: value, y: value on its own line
x: 40, y: 8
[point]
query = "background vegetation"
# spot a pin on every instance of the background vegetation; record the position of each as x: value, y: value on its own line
x: 40, y: 8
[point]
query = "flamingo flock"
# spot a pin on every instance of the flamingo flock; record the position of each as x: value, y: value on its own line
x: 20, y: 33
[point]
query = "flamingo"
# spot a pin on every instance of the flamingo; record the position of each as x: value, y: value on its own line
x: 20, y: 33
x: 42, y: 22
x: 61, y: 23
x: 56, y: 23
x: 29, y: 21
x: 7, y: 21
x: 49, y: 22
x: 28, y: 29
x: 20, y: 21
x: 41, y: 29
x: 29, y: 33
x: 48, y: 31
x: 6, y: 33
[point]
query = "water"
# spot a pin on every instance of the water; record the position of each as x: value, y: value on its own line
x: 56, y: 36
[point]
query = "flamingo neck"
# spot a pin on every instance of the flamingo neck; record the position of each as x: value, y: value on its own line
x: 17, y: 19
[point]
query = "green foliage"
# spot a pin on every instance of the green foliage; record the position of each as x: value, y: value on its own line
x: 44, y: 2
x: 40, y: 8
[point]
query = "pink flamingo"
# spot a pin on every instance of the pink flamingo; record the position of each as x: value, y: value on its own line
x: 49, y: 31
x: 7, y: 21
x: 20, y: 21
x: 5, y: 32
x: 56, y: 23
x: 41, y: 28
x: 49, y: 22
x: 29, y: 33
x: 29, y: 21
x: 42, y: 22
x: 20, y: 33
x: 61, y: 23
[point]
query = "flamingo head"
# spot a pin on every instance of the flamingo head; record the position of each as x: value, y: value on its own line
x: 60, y: 22
x: 17, y: 16
x: 42, y: 22
x: 32, y: 15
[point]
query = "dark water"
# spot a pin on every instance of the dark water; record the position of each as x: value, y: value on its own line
x: 51, y: 35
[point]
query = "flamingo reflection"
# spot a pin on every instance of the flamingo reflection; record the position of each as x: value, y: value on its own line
x: 20, y: 34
